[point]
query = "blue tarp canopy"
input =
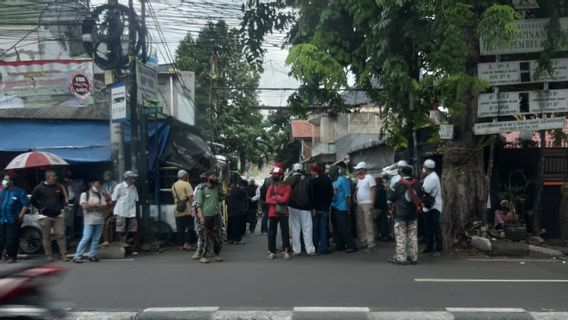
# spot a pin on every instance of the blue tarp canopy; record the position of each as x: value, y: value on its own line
x: 74, y: 141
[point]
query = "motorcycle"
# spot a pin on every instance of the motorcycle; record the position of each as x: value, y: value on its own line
x: 23, y: 294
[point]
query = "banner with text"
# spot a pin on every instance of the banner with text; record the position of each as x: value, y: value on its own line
x: 509, y: 103
x: 46, y: 83
x: 522, y: 125
x: 517, y: 72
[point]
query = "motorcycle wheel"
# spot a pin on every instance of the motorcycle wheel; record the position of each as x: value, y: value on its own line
x: 30, y: 240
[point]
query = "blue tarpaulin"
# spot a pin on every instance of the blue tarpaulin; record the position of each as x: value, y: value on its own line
x: 74, y: 141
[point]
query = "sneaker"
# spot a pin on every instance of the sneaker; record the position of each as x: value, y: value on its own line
x: 271, y: 256
x: 94, y: 259
x: 218, y: 259
x: 204, y: 260
x: 287, y: 256
x: 65, y: 258
x: 394, y: 261
x: 49, y: 259
x: 77, y: 260
x: 196, y: 256
x: 437, y: 254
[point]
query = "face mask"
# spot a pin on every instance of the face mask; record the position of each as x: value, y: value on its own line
x: 276, y: 178
x: 5, y: 183
x: 213, y: 182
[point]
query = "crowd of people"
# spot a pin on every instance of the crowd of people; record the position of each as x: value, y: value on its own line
x: 318, y: 211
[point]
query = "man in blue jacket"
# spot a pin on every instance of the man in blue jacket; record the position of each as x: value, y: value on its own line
x: 14, y: 204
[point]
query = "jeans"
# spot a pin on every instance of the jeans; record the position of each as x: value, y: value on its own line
x: 341, y: 233
x: 185, y: 230
x: 234, y: 228
x: 433, y: 231
x: 321, y: 231
x: 284, y: 233
x: 58, y: 226
x: 10, y: 239
x: 91, y: 233
x: 264, y: 221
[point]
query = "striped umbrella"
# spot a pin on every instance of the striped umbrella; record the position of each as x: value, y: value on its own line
x: 36, y: 159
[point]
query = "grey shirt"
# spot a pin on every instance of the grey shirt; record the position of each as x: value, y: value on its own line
x: 93, y: 217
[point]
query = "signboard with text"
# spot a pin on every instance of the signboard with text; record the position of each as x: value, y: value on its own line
x: 118, y: 103
x: 46, y: 83
x: 548, y: 101
x: 509, y: 103
x: 517, y: 72
x: 147, y: 81
x: 522, y: 125
x: 530, y: 38
x: 493, y: 105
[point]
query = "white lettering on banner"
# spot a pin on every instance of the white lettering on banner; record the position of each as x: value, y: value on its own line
x: 548, y: 101
x: 530, y: 38
x: 512, y: 72
x: 522, y: 125
x: 489, y: 105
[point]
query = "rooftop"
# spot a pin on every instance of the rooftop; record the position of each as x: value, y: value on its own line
x: 302, y: 129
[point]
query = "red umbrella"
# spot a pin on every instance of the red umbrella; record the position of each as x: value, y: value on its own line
x: 36, y: 159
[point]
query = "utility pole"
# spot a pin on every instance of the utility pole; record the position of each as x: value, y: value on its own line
x: 133, y: 88
x: 212, y: 75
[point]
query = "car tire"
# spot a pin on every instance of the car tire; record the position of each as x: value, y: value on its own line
x: 30, y: 240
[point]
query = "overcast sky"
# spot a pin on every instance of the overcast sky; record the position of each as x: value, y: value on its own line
x: 177, y: 17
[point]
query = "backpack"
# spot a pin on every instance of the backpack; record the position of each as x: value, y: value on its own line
x: 301, y: 196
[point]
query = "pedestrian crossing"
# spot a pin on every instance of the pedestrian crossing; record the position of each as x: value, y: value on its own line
x: 323, y: 313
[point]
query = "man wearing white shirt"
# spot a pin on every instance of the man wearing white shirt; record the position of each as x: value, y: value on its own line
x: 125, y: 196
x: 431, y: 187
x: 365, y: 194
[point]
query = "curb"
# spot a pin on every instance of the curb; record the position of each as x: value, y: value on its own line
x: 323, y: 314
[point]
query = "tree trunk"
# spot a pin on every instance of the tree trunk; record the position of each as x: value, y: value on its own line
x: 463, y: 181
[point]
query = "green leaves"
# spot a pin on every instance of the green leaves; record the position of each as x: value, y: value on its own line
x: 312, y: 65
x: 497, y: 26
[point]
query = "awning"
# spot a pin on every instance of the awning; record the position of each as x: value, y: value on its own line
x: 74, y: 141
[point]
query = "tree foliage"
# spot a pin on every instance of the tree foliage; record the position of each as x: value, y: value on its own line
x: 216, y: 57
x: 411, y: 56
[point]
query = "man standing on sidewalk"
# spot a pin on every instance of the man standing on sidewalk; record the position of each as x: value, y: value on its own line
x: 208, y: 202
x: 323, y: 195
x: 301, y: 205
x: 183, y: 198
x: 406, y: 218
x: 199, y: 228
x: 14, y: 204
x: 340, y: 207
x: 125, y: 196
x: 432, y: 189
x: 365, y: 193
x: 50, y: 200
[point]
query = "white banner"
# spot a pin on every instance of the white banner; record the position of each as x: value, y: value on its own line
x: 522, y: 125
x: 548, y: 101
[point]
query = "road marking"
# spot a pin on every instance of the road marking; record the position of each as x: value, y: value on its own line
x: 410, y: 315
x: 508, y: 310
x: 101, y: 316
x: 331, y: 309
x: 494, y: 280
x: 250, y: 315
x: 549, y: 315
x: 183, y: 309
x: 511, y: 260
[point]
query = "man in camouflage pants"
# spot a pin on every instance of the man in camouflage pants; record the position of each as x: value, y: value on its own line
x: 208, y: 202
x: 406, y: 219
x: 199, y: 229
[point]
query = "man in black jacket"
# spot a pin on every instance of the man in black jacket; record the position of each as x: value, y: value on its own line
x: 50, y: 200
x: 301, y: 205
x: 323, y: 195
x: 405, y: 226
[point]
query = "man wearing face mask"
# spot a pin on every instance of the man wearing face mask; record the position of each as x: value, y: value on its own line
x: 432, y: 189
x: 208, y: 202
x: 14, y: 204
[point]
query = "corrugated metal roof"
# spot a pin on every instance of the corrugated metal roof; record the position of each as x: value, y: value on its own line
x: 356, y: 98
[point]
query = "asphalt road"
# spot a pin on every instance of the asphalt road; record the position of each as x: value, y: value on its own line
x: 247, y: 280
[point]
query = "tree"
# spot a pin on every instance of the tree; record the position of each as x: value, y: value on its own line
x: 216, y: 57
x: 410, y: 55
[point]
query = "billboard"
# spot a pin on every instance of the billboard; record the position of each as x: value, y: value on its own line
x: 46, y: 83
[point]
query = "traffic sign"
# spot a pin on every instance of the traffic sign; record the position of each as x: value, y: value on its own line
x: 522, y: 125
x: 517, y: 72
x: 152, y: 110
x: 530, y: 38
x: 147, y: 81
x: 493, y: 105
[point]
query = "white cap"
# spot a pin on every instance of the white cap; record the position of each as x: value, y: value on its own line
x: 402, y: 163
x: 297, y: 167
x: 361, y: 165
x: 182, y: 173
x: 130, y: 174
x: 504, y: 202
x: 430, y: 164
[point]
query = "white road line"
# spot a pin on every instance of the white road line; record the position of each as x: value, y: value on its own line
x: 331, y: 309
x: 508, y: 310
x: 494, y: 280
x: 549, y: 315
x: 183, y: 309
x: 511, y: 260
x: 250, y: 315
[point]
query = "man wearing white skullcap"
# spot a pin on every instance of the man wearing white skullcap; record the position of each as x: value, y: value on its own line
x: 432, y: 209
x: 395, y: 179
